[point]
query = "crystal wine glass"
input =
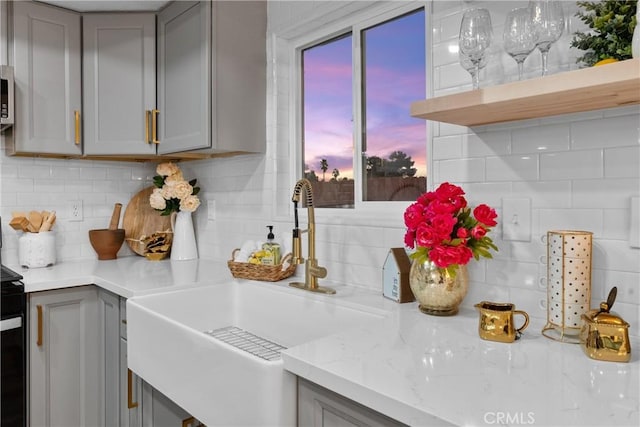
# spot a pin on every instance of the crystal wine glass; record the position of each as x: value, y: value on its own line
x: 475, y: 38
x: 519, y: 37
x: 466, y: 63
x: 548, y: 23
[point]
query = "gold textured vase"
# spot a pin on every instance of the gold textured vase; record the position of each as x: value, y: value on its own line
x: 436, y: 291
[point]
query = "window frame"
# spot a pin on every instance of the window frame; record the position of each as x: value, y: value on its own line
x: 373, y: 212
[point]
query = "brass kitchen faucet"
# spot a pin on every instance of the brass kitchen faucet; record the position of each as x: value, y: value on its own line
x: 312, y: 271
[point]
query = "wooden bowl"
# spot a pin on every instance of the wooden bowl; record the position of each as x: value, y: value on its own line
x: 106, y: 242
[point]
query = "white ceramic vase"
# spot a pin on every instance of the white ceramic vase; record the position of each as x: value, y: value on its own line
x: 184, y: 238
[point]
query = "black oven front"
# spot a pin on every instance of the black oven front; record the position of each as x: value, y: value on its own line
x: 13, y: 369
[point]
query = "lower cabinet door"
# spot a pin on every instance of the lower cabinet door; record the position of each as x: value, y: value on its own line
x: 63, y: 358
x: 130, y: 388
x: 160, y: 411
x: 319, y: 407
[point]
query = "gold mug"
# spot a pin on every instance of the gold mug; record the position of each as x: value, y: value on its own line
x: 496, y: 321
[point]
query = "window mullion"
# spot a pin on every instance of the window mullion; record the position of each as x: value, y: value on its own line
x: 359, y: 130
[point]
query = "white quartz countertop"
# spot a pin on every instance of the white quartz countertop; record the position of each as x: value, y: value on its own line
x: 418, y: 369
x: 127, y: 276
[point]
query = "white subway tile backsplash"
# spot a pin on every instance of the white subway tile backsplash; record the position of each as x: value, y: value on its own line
x: 572, y: 165
x: 545, y: 194
x: 447, y: 147
x: 451, y: 76
x: 622, y: 162
x: 604, y: 193
x: 488, y: 143
x: 512, y: 168
x: 619, y: 131
x: 571, y: 219
x: 616, y: 224
x: 616, y: 255
x: 540, y: 139
x: 462, y: 170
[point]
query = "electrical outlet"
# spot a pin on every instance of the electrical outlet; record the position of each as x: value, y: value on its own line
x: 75, y: 213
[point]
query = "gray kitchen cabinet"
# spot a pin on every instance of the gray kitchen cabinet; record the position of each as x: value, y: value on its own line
x: 119, y: 83
x: 160, y: 411
x: 319, y: 407
x: 63, y: 358
x: 130, y: 388
x: 224, y: 113
x: 130, y: 383
x: 46, y: 55
x: 109, y: 354
x: 184, y: 76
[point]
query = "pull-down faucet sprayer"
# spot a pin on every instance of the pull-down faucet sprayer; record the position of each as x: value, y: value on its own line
x: 312, y: 270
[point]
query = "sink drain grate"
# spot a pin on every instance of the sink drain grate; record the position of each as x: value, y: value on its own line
x: 248, y: 342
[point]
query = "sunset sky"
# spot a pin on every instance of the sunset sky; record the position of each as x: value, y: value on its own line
x: 395, y: 77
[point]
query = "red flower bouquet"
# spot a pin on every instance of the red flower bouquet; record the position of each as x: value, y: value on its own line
x: 442, y: 229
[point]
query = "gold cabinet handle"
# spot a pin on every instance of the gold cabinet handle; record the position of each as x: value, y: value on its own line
x: 77, y: 127
x: 154, y: 126
x: 39, y: 338
x: 130, y: 403
x: 147, y: 116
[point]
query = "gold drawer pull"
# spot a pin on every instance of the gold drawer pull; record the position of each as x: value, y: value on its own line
x: 76, y: 114
x: 39, y: 339
x: 130, y: 403
x: 147, y: 117
x: 154, y: 126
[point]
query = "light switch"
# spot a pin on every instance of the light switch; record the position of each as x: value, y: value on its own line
x: 634, y: 236
x: 516, y: 219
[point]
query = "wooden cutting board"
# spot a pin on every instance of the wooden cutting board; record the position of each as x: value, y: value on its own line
x: 140, y: 219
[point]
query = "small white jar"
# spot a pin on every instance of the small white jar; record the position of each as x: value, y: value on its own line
x: 37, y: 249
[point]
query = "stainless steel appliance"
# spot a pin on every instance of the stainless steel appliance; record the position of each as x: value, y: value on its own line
x: 13, y: 364
x: 7, y: 105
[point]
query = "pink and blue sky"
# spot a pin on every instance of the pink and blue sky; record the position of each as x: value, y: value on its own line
x: 394, y: 63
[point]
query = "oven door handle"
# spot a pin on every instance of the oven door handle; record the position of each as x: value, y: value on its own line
x: 9, y: 324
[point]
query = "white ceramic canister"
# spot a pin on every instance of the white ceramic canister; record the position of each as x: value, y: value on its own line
x: 37, y: 249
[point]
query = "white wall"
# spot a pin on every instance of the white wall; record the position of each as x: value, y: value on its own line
x: 583, y: 180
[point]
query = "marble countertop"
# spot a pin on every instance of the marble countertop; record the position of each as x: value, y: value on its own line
x: 127, y: 276
x: 418, y: 369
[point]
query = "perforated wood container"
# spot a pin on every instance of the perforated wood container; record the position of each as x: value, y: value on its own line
x: 265, y: 273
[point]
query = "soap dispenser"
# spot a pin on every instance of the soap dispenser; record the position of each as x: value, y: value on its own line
x: 271, y: 249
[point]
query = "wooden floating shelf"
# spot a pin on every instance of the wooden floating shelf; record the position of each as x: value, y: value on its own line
x: 606, y: 86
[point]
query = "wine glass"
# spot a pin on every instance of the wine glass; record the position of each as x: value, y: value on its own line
x: 475, y: 38
x: 466, y: 63
x: 548, y: 24
x: 519, y: 37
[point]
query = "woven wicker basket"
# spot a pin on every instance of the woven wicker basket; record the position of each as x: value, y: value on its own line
x: 266, y: 273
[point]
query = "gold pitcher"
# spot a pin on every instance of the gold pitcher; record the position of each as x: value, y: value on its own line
x: 496, y: 321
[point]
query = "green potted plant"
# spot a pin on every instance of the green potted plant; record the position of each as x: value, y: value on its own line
x: 612, y: 24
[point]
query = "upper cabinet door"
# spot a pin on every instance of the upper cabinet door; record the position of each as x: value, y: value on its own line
x: 184, y: 77
x: 119, y: 86
x: 47, y: 79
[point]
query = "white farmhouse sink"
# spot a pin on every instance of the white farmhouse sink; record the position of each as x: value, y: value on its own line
x: 213, y: 380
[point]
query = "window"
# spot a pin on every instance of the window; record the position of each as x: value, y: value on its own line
x: 359, y: 142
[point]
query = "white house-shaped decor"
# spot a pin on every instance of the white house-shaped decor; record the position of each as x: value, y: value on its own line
x: 395, y: 276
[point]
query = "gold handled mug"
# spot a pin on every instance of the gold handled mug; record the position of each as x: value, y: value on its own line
x: 496, y: 321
